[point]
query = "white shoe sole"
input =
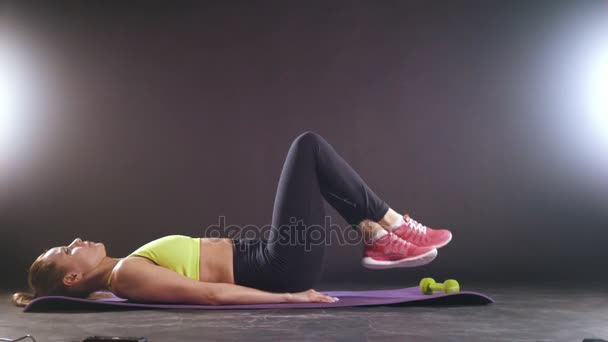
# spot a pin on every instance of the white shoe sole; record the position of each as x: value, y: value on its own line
x: 420, y: 260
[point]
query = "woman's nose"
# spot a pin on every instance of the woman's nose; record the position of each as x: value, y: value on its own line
x: 77, y: 241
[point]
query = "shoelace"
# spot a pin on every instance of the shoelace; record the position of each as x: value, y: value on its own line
x: 396, y: 244
x: 415, y: 225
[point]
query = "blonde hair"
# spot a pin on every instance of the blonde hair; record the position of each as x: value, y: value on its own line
x: 44, y: 279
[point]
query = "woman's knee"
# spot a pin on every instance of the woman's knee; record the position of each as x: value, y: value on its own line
x: 307, y: 145
x: 307, y: 138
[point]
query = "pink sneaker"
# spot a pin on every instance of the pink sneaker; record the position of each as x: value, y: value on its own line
x: 391, y: 251
x: 421, y: 235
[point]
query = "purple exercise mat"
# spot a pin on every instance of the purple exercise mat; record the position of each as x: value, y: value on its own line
x: 409, y: 295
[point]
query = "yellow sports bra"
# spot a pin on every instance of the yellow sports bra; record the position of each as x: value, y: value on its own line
x: 179, y: 253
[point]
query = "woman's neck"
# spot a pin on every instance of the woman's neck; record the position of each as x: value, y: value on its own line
x: 97, y: 280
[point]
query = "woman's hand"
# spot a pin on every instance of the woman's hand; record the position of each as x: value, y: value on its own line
x: 310, y: 296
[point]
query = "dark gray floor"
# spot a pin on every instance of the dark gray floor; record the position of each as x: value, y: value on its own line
x: 521, y: 313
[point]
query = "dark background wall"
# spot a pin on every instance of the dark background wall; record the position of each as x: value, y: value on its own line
x: 151, y: 119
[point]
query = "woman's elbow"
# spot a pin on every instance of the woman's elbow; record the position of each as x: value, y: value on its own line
x: 213, y: 300
x: 216, y: 297
x: 203, y: 295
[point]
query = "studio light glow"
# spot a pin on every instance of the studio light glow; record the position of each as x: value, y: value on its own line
x: 597, y: 99
x: 589, y: 120
x: 13, y: 100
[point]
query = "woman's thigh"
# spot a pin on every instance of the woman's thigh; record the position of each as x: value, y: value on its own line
x: 297, y: 239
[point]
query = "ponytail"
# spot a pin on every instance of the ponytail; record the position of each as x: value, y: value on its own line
x: 44, y: 279
x: 22, y: 298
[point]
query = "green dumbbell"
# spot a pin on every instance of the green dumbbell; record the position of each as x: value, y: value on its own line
x: 429, y: 286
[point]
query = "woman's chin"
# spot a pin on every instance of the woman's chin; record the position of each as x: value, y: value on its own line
x: 101, y: 246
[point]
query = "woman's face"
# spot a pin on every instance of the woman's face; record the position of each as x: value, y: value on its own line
x: 78, y: 257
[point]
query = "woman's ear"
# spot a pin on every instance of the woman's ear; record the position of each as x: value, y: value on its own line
x: 72, y: 278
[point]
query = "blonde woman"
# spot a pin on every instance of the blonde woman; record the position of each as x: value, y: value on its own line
x: 283, y: 268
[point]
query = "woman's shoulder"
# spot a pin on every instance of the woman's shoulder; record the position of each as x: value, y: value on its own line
x: 135, y: 260
x: 124, y: 266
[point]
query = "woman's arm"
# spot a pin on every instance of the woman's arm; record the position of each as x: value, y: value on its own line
x: 141, y: 281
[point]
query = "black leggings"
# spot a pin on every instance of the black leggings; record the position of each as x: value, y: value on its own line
x: 291, y: 258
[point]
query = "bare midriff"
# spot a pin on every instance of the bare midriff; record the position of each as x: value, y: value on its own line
x: 216, y: 261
